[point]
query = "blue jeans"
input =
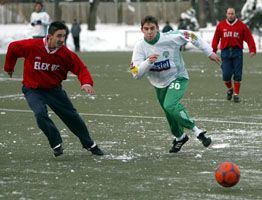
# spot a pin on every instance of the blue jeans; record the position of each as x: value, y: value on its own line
x: 58, y: 101
x: 232, y: 64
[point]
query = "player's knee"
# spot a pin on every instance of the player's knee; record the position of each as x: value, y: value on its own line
x: 170, y: 108
x: 40, y: 114
x: 237, y: 78
x: 227, y: 78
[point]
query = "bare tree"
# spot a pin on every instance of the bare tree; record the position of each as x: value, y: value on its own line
x: 92, y: 14
x: 57, y: 9
x: 202, y: 14
x: 119, y: 5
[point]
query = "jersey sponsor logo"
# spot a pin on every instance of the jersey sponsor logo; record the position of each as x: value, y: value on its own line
x: 165, y: 54
x: 193, y: 37
x: 161, y: 66
x: 45, y: 66
x: 231, y: 34
x: 133, y: 69
x: 186, y: 35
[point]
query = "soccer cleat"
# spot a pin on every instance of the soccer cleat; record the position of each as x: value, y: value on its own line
x: 58, y: 150
x: 177, y: 145
x: 96, y: 151
x: 206, y: 141
x: 236, y: 98
x: 229, y: 94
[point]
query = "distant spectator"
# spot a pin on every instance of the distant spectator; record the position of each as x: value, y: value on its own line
x: 188, y: 20
x: 167, y: 27
x: 251, y: 14
x: 39, y: 21
x: 75, y: 30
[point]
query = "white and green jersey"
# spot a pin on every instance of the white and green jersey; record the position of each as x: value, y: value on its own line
x: 170, y: 64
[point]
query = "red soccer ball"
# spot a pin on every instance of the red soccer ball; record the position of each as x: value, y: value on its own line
x: 227, y: 174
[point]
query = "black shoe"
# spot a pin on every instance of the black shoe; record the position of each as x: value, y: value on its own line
x: 96, y: 151
x: 58, y: 150
x: 177, y: 145
x: 236, y: 99
x: 206, y: 141
x: 229, y: 94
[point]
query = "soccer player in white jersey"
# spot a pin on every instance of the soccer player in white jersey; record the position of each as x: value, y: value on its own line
x: 158, y: 57
x: 39, y: 20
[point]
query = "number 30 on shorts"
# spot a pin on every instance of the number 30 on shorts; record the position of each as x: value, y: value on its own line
x: 176, y: 86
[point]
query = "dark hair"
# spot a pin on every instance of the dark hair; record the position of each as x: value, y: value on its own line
x: 55, y: 26
x: 40, y: 3
x: 149, y: 19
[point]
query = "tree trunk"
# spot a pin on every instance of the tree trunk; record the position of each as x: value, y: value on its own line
x: 202, y: 15
x: 57, y: 11
x: 119, y: 12
x: 92, y: 15
x: 212, y: 12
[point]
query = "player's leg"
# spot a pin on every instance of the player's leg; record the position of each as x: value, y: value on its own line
x: 227, y: 71
x: 177, y: 130
x: 77, y: 43
x: 238, y: 67
x: 37, y: 103
x: 59, y: 102
x: 172, y: 105
x: 179, y: 113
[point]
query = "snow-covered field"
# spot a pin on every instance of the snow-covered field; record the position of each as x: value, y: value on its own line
x: 108, y: 37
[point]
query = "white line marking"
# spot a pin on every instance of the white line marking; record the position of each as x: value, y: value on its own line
x: 11, y: 96
x: 141, y: 117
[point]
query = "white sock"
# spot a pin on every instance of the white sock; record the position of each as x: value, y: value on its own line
x: 59, y: 145
x: 93, y: 145
x: 197, y: 131
x: 181, y: 137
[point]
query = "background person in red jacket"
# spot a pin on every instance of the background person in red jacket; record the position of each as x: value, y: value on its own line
x: 231, y: 32
x: 47, y: 62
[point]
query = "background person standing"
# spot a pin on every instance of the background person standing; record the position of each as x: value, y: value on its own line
x: 39, y: 20
x: 167, y: 27
x: 75, y: 30
x: 231, y: 32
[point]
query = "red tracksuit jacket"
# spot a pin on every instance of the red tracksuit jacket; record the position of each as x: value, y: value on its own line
x: 233, y: 35
x: 42, y: 68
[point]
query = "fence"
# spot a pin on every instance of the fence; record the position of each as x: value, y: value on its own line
x: 108, y: 12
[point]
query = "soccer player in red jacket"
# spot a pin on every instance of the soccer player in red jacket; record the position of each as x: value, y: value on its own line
x: 231, y: 32
x: 46, y: 64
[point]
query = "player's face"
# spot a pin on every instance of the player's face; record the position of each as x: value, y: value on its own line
x: 38, y: 7
x: 150, y: 30
x: 57, y: 39
x: 231, y: 15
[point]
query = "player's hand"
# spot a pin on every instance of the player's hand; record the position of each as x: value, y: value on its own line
x: 252, y: 54
x: 152, y: 58
x: 10, y: 74
x: 215, y: 58
x: 88, y: 89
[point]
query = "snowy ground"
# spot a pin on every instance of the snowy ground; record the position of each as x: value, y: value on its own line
x: 126, y: 121
x: 105, y: 38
